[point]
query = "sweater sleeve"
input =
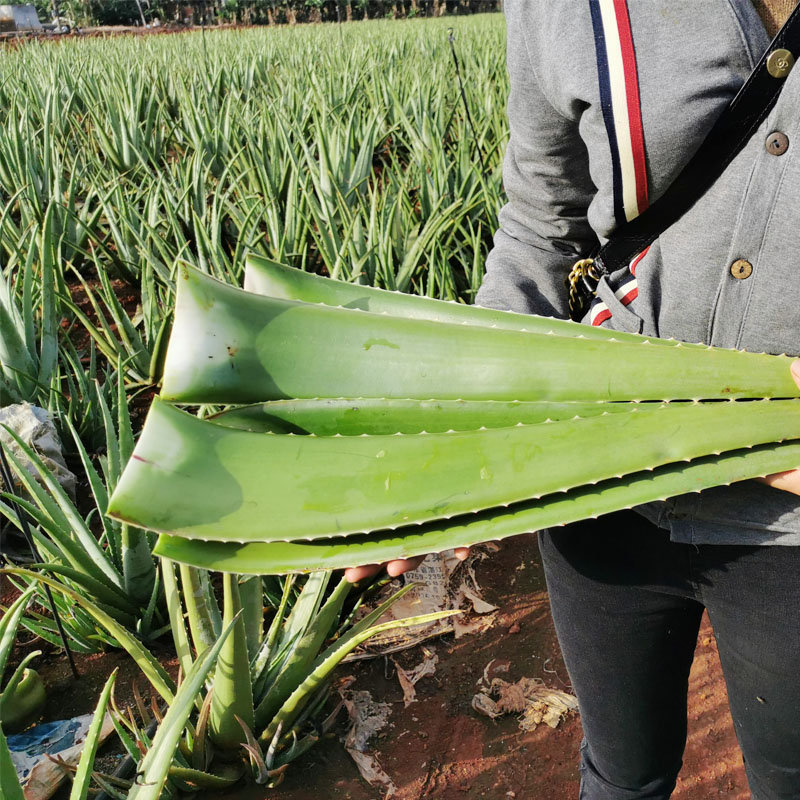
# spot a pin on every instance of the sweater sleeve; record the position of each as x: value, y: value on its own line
x: 543, y: 227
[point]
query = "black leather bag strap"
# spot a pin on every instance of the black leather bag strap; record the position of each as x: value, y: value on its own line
x: 730, y: 132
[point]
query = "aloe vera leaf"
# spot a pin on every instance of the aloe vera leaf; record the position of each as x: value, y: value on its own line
x: 204, y: 481
x: 57, y: 545
x: 303, y: 655
x: 267, y: 277
x: 94, y: 588
x: 304, y: 608
x: 329, y: 660
x: 197, y: 778
x: 145, y: 660
x: 180, y: 636
x: 231, y: 346
x: 233, y: 692
x: 154, y: 767
x: 10, y: 788
x: 138, y: 567
x: 266, y: 652
x: 23, y: 698
x: 285, y: 634
x: 493, y: 524
x: 9, y: 622
x: 83, y: 776
x: 53, y: 500
x: 198, y: 597
x: 252, y: 597
x: 356, y: 416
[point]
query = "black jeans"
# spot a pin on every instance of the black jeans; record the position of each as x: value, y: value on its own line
x: 627, y: 604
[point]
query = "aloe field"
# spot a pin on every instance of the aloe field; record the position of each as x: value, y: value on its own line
x: 350, y: 151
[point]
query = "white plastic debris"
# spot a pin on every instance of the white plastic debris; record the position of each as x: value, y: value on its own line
x: 30, y: 751
x: 367, y: 718
x: 35, y: 427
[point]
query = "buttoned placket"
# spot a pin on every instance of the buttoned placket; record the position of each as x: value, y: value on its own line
x: 744, y: 269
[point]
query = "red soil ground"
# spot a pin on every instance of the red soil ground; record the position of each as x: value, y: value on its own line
x: 439, y: 747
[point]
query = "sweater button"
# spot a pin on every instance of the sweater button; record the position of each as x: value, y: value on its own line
x: 777, y: 143
x: 780, y: 63
x: 741, y: 269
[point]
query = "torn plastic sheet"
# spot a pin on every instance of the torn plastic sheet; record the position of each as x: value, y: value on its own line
x: 35, y: 427
x: 367, y: 718
x: 30, y: 749
x: 443, y: 582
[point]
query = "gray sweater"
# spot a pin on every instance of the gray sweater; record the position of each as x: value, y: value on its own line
x: 598, y: 132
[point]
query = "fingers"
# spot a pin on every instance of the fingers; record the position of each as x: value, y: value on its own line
x: 788, y: 481
x: 393, y: 568
x: 356, y: 574
x: 796, y: 371
x: 401, y: 565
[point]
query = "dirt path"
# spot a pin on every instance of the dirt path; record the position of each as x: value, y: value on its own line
x: 440, y: 748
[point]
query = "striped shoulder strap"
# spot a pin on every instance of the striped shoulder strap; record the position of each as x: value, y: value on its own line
x: 622, y: 112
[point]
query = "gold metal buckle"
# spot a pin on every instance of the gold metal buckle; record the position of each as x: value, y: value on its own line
x: 581, y: 270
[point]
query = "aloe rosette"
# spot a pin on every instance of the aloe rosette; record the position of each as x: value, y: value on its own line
x: 467, y: 424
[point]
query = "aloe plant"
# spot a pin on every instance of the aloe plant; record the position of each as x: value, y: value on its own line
x: 263, y: 695
x: 118, y: 570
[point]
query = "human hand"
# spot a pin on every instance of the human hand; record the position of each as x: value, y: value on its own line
x: 394, y: 568
x: 789, y: 481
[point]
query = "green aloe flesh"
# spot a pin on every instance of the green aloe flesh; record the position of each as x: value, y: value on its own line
x: 494, y: 524
x: 354, y: 417
x: 267, y: 277
x: 204, y: 481
x: 231, y: 346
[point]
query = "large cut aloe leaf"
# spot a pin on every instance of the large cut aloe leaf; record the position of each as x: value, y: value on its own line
x: 433, y: 537
x: 354, y: 417
x: 204, y: 481
x: 267, y: 277
x: 231, y: 346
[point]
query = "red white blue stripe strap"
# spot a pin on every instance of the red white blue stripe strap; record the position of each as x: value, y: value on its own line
x: 619, y: 98
x: 622, y: 113
x: 626, y: 293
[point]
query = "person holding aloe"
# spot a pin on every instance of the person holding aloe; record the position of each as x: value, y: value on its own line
x: 610, y: 100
